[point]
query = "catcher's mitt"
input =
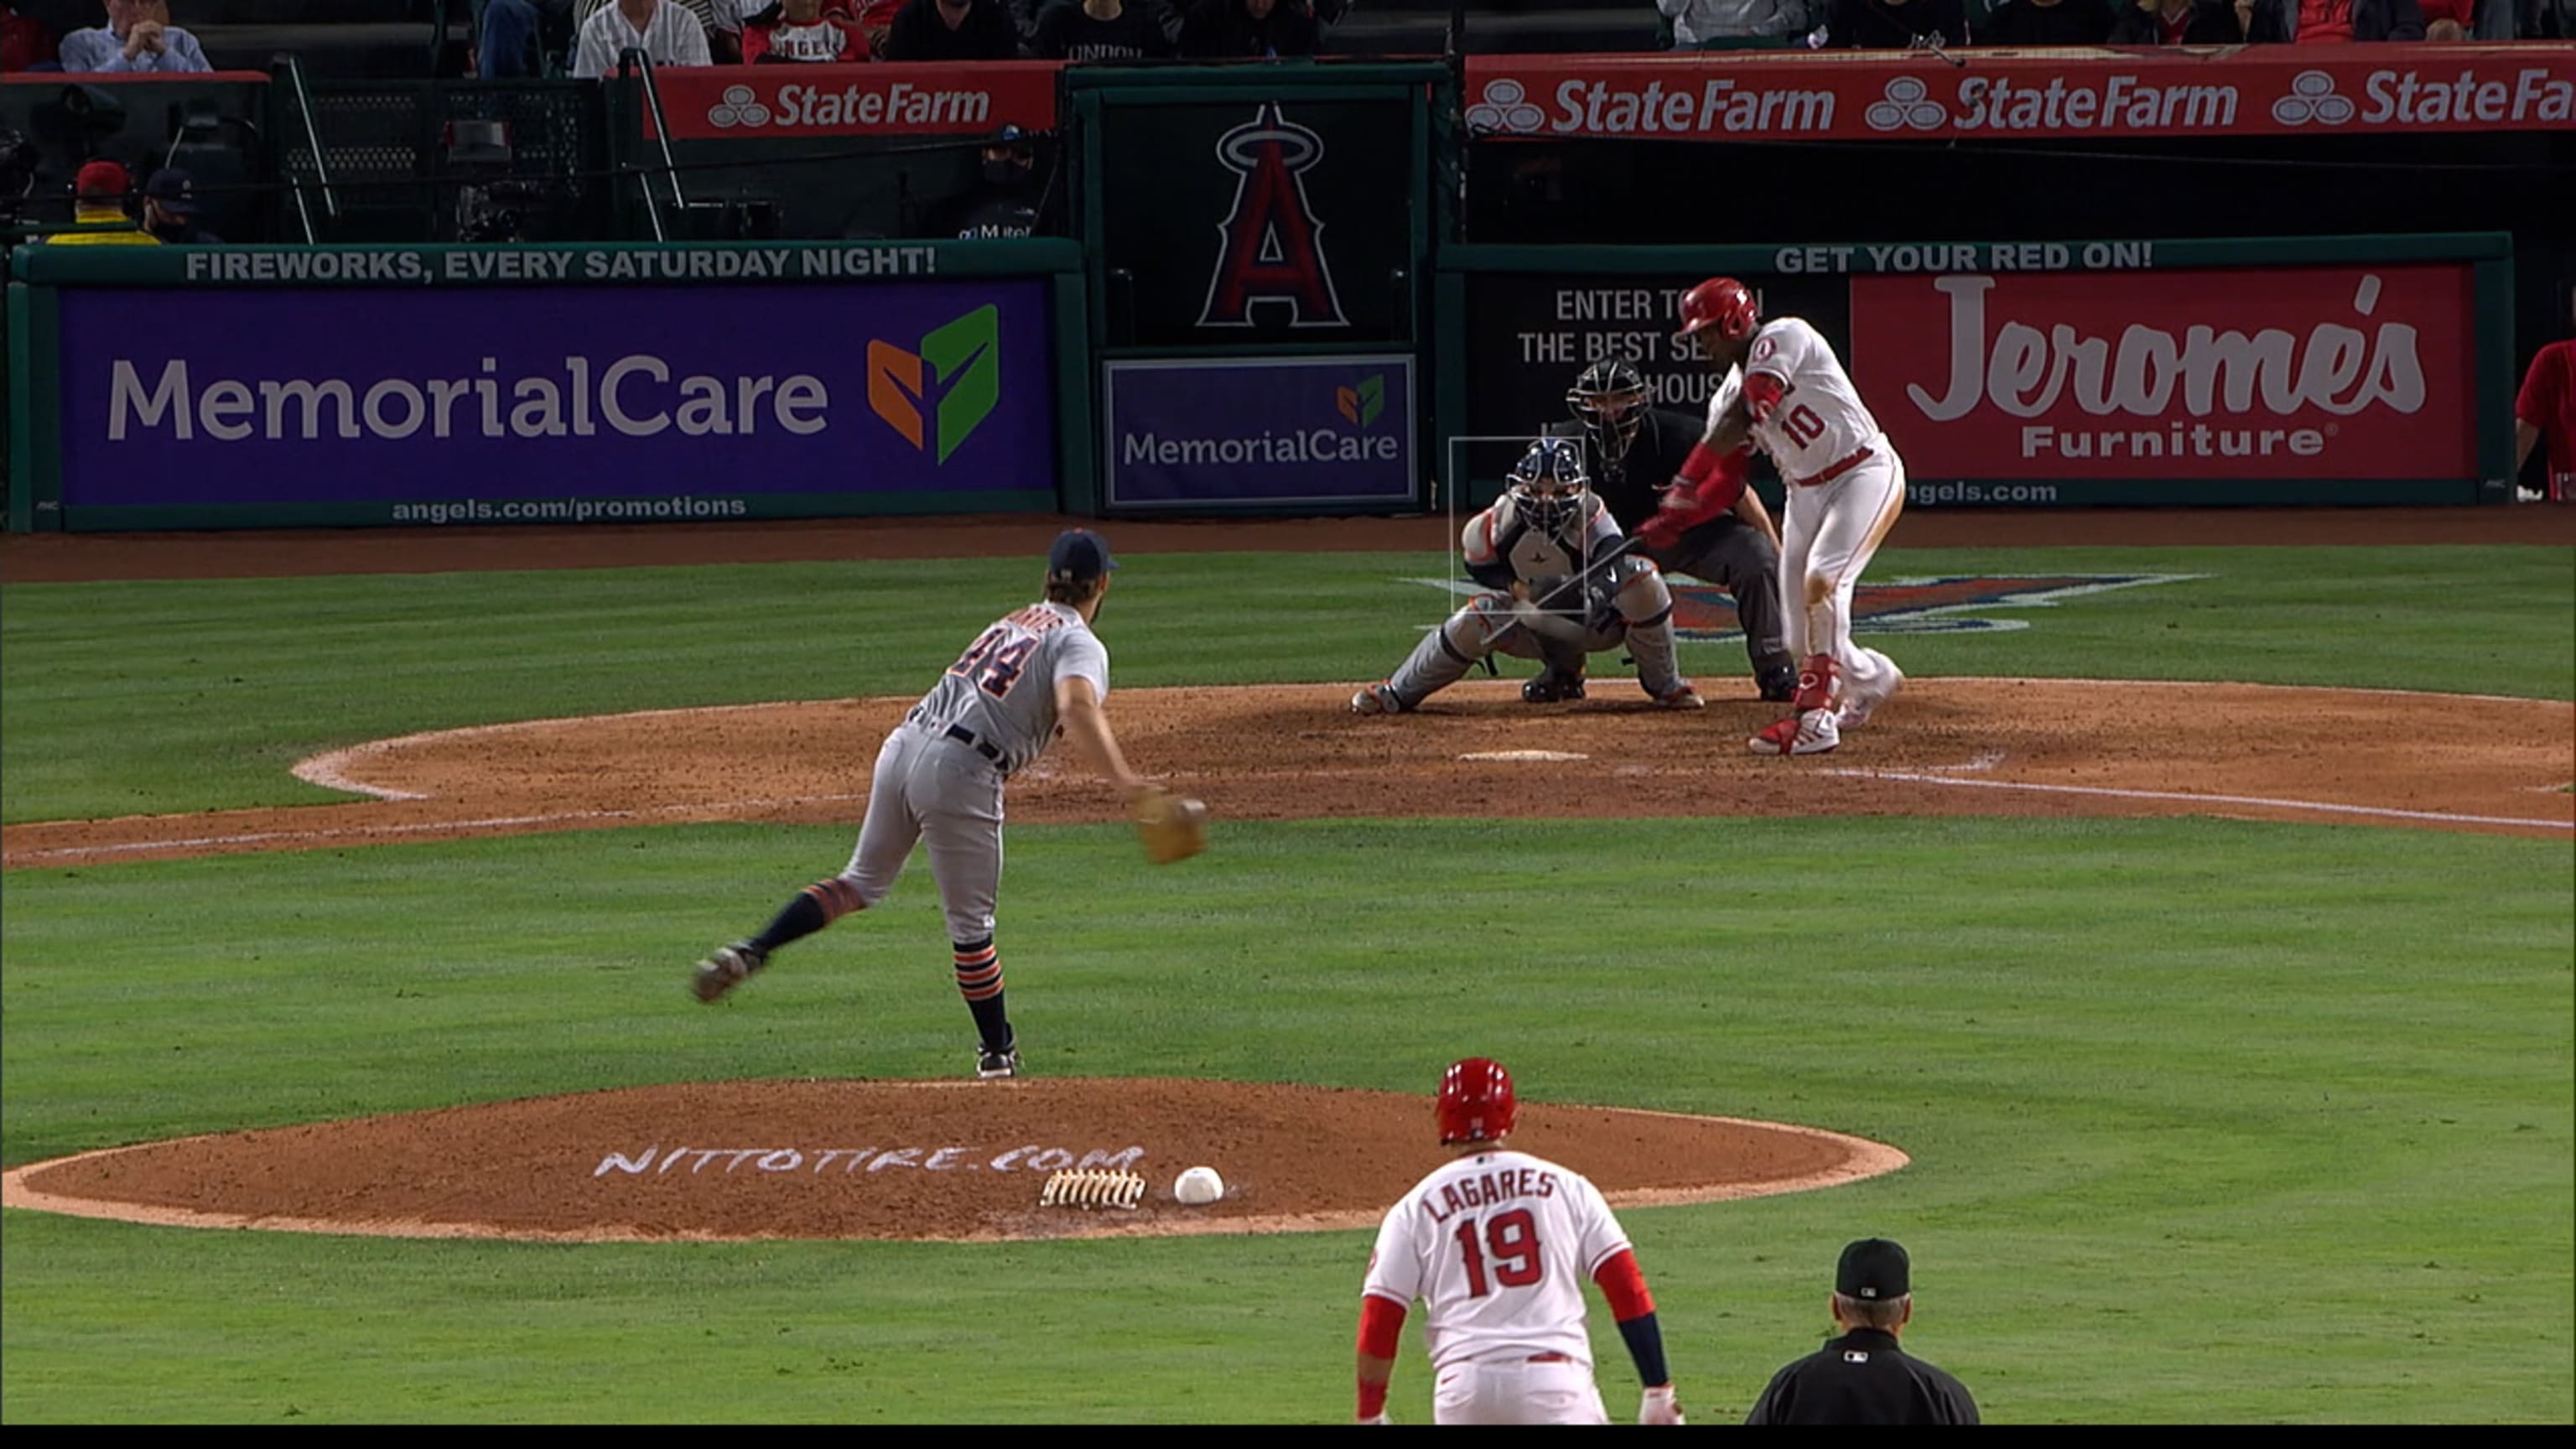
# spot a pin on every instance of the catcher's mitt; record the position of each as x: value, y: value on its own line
x: 1173, y: 827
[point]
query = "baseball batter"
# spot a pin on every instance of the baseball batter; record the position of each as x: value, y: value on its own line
x: 1787, y: 392
x: 1497, y: 1244
x: 1558, y: 589
x: 1034, y: 674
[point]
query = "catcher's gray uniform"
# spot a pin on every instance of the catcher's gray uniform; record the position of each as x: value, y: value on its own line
x: 1532, y: 551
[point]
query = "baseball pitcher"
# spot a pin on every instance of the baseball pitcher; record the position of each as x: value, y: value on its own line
x: 939, y: 779
x: 1497, y: 1244
x: 1786, y: 392
x: 1633, y: 452
x: 1561, y: 584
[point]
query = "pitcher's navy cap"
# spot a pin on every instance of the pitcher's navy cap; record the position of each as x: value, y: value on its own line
x: 1872, y: 1269
x: 1079, y: 555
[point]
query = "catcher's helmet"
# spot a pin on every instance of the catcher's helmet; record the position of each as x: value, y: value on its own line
x: 1549, y: 482
x: 1476, y: 1101
x: 1721, y: 303
x: 1610, y: 400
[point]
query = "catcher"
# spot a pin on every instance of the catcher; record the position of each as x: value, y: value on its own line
x: 1563, y: 585
x: 939, y: 778
x: 1634, y: 451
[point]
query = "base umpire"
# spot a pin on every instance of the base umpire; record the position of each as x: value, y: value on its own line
x: 1861, y: 1376
x: 1633, y: 452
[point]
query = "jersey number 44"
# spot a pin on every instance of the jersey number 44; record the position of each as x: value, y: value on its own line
x: 994, y: 661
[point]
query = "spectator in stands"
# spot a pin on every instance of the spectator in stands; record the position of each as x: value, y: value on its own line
x: 98, y: 209
x: 953, y: 30
x: 138, y: 39
x: 1233, y: 29
x: 1101, y: 30
x: 1898, y: 24
x: 800, y: 31
x: 1739, y: 24
x: 2047, y: 22
x: 662, y: 29
x: 2179, y: 22
x: 170, y: 209
x: 2333, y: 22
x: 25, y: 43
x: 721, y: 20
x: 517, y: 35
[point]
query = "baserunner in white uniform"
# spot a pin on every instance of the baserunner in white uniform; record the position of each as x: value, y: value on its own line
x: 1497, y: 1245
x: 939, y: 780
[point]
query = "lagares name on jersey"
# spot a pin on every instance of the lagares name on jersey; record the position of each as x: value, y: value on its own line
x: 1487, y: 1189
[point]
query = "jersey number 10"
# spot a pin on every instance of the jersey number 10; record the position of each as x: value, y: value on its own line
x: 1512, y: 1239
x: 995, y: 660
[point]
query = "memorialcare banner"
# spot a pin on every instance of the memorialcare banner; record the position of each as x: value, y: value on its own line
x: 2270, y: 90
x: 1261, y: 432
x: 2353, y: 372
x: 557, y: 404
x: 1257, y: 221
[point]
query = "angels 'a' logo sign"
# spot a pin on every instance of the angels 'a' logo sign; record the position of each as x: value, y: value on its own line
x: 1271, y: 247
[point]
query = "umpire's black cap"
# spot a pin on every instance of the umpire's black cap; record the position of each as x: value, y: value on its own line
x: 1873, y: 1269
x: 1079, y: 555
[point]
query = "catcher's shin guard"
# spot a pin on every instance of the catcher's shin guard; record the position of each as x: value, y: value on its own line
x: 1647, y: 606
x: 1446, y: 654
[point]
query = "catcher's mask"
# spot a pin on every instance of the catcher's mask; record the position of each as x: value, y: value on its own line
x: 1476, y: 1102
x: 1549, y: 483
x: 1609, y: 399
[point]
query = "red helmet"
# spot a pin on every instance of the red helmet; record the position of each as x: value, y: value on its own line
x: 1723, y: 303
x: 1476, y: 1101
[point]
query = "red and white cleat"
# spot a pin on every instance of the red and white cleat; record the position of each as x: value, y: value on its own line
x: 1811, y: 733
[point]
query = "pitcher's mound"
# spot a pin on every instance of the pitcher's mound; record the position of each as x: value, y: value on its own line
x: 940, y: 1161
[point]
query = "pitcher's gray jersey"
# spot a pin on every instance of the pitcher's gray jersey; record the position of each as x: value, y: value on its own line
x: 1002, y: 689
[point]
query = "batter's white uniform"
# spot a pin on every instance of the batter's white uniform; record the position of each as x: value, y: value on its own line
x: 939, y: 774
x: 1498, y: 1247
x: 1845, y: 488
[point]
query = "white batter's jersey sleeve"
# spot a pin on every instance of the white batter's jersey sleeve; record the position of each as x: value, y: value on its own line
x: 1002, y: 689
x: 1498, y: 1247
x: 1820, y: 419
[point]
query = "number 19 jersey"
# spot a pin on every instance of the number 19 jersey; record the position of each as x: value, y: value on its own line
x: 1498, y: 1247
x: 1002, y: 689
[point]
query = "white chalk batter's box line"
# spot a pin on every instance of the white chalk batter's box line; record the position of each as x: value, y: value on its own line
x: 1930, y: 619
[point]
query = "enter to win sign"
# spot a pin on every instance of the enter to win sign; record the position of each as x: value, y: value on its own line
x: 2360, y: 372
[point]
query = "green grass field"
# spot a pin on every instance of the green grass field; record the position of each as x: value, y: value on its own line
x: 2210, y: 1120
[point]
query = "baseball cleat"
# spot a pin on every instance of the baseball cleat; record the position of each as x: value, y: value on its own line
x: 1864, y: 703
x: 1680, y: 696
x: 1811, y: 733
x: 1551, y: 687
x: 724, y: 969
x: 1376, y: 699
x: 993, y: 1066
x: 1778, y: 686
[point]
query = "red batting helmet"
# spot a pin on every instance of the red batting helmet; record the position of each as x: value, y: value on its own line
x: 1723, y: 303
x: 1476, y: 1101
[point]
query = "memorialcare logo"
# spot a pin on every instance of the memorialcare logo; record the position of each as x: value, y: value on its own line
x: 1270, y: 248
x: 1360, y: 405
x: 962, y: 386
x: 1903, y: 606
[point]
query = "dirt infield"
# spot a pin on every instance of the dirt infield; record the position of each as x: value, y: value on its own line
x: 927, y: 1161
x: 1278, y: 752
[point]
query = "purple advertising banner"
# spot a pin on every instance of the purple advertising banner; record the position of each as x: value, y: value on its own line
x: 723, y: 393
x: 1260, y: 431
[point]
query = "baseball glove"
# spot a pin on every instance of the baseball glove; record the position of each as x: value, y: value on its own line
x: 1173, y: 827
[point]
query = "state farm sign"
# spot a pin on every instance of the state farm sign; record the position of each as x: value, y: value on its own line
x: 2261, y: 90
x: 2289, y: 372
x: 928, y: 99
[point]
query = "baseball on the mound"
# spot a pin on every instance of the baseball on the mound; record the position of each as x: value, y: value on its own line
x: 1199, y: 1186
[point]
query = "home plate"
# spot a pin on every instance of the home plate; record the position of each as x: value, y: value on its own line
x: 1518, y: 755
